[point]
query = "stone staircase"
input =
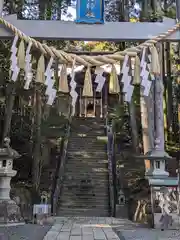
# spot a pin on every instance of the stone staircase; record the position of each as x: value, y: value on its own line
x: 85, y: 187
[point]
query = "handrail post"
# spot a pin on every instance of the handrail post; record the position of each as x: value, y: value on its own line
x: 110, y: 153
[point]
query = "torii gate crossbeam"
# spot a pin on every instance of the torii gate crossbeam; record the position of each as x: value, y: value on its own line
x: 110, y: 31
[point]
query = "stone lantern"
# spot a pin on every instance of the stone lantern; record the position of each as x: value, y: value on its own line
x: 158, y: 178
x: 121, y: 207
x: 9, y: 211
x: 158, y: 159
x: 121, y: 198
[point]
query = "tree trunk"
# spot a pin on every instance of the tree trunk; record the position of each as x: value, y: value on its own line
x: 147, y: 121
x: 145, y: 130
x: 169, y: 91
x: 134, y: 131
x: 10, y: 97
x: 154, y: 5
x: 37, y: 164
x: 159, y: 116
x: 145, y: 12
x: 42, y: 9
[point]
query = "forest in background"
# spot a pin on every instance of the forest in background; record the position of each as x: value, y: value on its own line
x: 36, y: 131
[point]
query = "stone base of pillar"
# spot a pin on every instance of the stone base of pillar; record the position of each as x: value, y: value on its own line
x: 10, y: 212
x: 121, y: 211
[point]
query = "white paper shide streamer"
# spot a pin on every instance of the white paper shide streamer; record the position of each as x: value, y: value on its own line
x: 126, y: 80
x: 145, y: 83
x: 100, y: 80
x: 149, y: 67
x: 73, y: 92
x: 50, y: 91
x: 14, y: 67
x: 28, y: 67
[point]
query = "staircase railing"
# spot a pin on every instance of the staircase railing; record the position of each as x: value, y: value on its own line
x: 111, y: 168
x: 60, y: 170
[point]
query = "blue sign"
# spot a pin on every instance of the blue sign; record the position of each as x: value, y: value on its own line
x: 90, y: 11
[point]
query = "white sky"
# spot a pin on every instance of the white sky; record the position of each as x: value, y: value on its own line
x: 71, y: 14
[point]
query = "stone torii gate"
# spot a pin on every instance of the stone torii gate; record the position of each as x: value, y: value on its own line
x: 127, y: 31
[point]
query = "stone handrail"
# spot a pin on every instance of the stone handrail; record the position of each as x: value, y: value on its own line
x: 59, y: 180
x: 110, y: 154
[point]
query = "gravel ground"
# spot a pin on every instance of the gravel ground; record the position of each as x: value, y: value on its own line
x: 24, y: 232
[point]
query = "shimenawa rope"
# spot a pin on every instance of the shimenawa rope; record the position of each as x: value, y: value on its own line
x: 98, y: 60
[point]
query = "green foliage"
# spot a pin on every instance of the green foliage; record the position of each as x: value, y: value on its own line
x: 171, y: 12
x: 117, y: 117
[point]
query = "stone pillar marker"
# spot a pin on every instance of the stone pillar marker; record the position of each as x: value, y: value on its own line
x: 9, y: 211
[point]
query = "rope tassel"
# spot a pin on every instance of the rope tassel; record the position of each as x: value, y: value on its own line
x: 137, y: 71
x: 40, y: 76
x: 155, y: 65
x: 63, y: 82
x: 114, y: 87
x: 87, y: 89
x: 21, y: 55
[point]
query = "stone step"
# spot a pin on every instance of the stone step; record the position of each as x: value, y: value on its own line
x: 85, y: 199
x: 82, y: 136
x: 72, y: 181
x: 87, y: 153
x: 100, y: 200
x: 86, y: 144
x: 74, y: 157
x: 91, y: 124
x: 85, y: 194
x: 84, y: 203
x: 79, y: 176
x: 93, y: 175
x: 86, y: 160
x: 87, y: 126
x: 84, y: 168
x: 68, y: 180
x: 88, y: 168
x: 94, y: 151
x: 93, y: 169
x: 80, y: 204
x: 48, y: 171
x: 99, y: 138
x: 77, y: 208
x: 83, y: 212
x: 88, y: 119
x: 94, y: 160
x: 92, y: 135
